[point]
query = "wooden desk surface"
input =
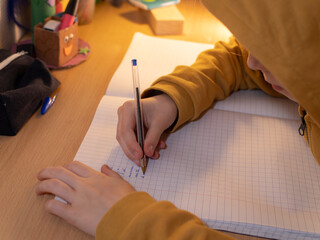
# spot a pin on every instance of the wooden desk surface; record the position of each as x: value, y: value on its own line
x: 53, y: 139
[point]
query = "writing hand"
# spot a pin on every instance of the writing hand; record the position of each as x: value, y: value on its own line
x: 89, y: 194
x: 159, y: 112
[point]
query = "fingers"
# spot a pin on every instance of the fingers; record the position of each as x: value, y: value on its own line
x: 60, y: 173
x: 79, y: 169
x: 163, y: 112
x: 109, y: 172
x: 152, y: 142
x: 126, y: 135
x: 59, y: 209
x: 159, y: 113
x: 161, y: 145
x: 56, y: 187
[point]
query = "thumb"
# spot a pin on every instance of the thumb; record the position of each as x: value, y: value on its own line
x: 108, y: 171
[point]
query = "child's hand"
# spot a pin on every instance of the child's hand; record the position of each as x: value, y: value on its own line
x: 159, y: 112
x: 90, y: 194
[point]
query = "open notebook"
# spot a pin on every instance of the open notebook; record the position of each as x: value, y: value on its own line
x: 242, y: 167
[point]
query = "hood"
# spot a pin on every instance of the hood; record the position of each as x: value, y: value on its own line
x: 284, y: 36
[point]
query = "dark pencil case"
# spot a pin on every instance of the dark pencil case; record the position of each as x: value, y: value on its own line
x: 24, y: 83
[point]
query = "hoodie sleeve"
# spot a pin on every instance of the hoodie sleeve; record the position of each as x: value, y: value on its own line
x: 139, y: 216
x: 214, y: 76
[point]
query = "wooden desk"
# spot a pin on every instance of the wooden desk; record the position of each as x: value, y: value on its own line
x: 53, y: 139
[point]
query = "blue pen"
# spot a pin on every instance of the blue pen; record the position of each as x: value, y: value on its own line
x: 48, y: 102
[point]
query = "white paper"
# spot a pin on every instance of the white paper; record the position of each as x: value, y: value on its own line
x: 242, y: 167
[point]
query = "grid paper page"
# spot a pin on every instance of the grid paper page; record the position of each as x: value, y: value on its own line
x: 259, y: 103
x: 246, y: 172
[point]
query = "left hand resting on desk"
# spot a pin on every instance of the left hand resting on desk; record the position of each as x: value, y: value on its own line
x: 90, y: 194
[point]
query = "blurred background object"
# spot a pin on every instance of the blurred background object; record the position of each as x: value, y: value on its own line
x: 61, y: 5
x: 40, y: 10
x: 14, y: 21
x: 86, y: 11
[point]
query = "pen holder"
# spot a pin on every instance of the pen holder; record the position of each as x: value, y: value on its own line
x: 56, y: 48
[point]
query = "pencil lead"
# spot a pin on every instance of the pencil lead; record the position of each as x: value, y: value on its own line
x: 144, y: 163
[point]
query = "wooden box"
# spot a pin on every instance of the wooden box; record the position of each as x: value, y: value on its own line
x: 166, y: 20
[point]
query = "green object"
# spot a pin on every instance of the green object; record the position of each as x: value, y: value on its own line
x: 151, y: 4
x: 84, y: 50
x: 40, y: 10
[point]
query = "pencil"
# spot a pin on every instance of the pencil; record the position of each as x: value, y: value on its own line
x: 139, y: 116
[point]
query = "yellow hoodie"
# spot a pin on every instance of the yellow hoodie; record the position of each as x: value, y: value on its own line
x: 285, y: 37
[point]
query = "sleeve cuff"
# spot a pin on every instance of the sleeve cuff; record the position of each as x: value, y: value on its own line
x: 181, y: 99
x: 121, y: 214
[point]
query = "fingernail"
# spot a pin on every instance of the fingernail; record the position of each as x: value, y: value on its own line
x: 151, y: 149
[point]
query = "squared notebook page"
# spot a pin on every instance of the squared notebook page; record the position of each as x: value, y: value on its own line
x: 259, y: 103
x: 249, y: 172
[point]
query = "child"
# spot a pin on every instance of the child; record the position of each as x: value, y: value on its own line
x: 276, y: 49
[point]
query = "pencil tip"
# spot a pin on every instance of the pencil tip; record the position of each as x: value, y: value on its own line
x: 144, y: 164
